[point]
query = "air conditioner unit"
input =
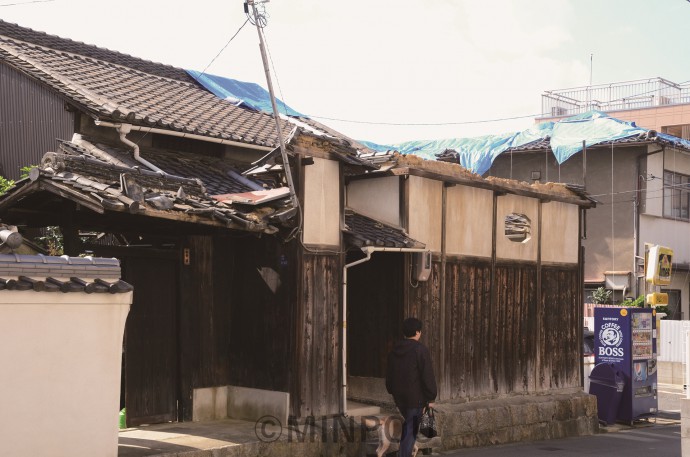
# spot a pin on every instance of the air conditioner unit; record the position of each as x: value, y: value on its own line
x: 421, y: 265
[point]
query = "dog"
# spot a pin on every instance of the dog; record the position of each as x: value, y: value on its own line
x: 388, y: 428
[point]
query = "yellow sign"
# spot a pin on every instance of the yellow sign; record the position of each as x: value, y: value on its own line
x: 657, y: 298
x: 624, y: 312
x: 658, y: 266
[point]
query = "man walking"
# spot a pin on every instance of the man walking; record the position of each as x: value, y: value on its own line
x: 410, y: 379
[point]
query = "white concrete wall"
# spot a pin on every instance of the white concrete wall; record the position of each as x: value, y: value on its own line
x: 654, y: 203
x: 60, y: 355
x: 559, y: 240
x: 425, y: 207
x: 507, y: 249
x: 322, y: 203
x: 469, y: 211
x: 378, y: 198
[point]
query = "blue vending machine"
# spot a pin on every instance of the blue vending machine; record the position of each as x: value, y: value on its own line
x: 625, y: 338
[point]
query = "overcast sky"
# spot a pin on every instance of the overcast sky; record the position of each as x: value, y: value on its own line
x: 394, y: 61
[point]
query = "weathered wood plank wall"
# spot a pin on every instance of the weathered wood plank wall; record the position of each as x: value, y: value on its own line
x: 493, y: 350
x: 562, y: 308
x: 236, y: 325
x: 314, y: 390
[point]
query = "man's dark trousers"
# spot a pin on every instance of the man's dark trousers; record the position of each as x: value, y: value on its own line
x: 409, y: 430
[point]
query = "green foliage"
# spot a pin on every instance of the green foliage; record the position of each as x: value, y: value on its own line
x: 5, y: 185
x: 26, y: 170
x: 601, y: 296
x: 52, y: 241
x: 638, y: 302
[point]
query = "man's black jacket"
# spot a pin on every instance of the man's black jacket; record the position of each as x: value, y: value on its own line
x: 410, y: 376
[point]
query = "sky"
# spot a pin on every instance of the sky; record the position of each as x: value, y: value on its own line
x: 390, y: 71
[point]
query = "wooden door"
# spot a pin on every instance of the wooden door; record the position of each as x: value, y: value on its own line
x: 151, y: 373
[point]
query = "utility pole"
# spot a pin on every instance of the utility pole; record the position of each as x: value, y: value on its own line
x: 260, y: 22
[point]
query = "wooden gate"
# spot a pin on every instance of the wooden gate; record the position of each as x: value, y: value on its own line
x: 151, y: 373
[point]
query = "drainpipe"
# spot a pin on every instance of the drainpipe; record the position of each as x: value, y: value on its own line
x: 368, y: 250
x: 123, y: 130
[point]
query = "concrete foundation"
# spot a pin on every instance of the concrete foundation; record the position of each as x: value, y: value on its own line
x: 252, y: 404
x: 509, y: 420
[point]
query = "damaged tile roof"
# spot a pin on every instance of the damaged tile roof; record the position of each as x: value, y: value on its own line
x: 102, y: 186
x: 61, y: 274
x: 219, y: 176
x: 75, y: 47
x: 363, y: 231
x: 111, y: 86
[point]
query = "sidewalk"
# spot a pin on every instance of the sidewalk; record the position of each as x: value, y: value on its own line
x: 236, y: 438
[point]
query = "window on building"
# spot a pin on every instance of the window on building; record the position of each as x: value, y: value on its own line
x: 676, y: 195
x: 518, y: 227
x: 681, y: 131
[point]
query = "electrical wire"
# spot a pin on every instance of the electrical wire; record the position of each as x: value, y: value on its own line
x: 424, y: 123
x: 25, y: 3
x: 223, y: 49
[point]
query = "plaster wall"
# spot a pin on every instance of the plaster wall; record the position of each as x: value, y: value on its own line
x: 469, y: 211
x: 378, y: 198
x: 654, y: 188
x: 61, y: 355
x: 321, y: 205
x: 425, y: 208
x: 559, y: 238
x: 507, y: 249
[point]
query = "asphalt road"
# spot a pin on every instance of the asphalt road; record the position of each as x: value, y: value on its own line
x: 644, y: 439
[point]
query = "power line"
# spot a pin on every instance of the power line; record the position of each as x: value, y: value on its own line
x: 221, y: 51
x: 25, y: 3
x: 425, y: 123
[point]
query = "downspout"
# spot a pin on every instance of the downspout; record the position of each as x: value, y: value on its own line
x: 123, y: 130
x: 368, y: 250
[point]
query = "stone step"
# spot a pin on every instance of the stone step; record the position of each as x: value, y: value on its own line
x: 355, y: 409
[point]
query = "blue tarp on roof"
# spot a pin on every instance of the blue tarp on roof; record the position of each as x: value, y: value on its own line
x: 566, y: 136
x: 241, y: 93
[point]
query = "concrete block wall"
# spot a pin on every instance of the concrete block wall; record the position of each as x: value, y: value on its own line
x: 515, y: 419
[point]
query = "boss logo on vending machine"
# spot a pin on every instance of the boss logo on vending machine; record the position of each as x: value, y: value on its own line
x: 610, y: 337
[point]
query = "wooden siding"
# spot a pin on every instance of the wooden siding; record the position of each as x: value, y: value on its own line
x: 317, y: 353
x: 31, y: 118
x: 150, y: 368
x: 561, y: 309
x: 518, y: 342
x: 236, y: 314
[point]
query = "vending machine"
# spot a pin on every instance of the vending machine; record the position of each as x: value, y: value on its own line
x: 625, y: 338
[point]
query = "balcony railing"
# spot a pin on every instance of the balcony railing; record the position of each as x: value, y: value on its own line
x: 614, y: 97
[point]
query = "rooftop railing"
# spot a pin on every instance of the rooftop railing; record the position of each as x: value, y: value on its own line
x: 626, y: 95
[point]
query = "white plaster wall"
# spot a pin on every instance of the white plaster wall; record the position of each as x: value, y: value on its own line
x: 674, y: 160
x: 655, y: 188
x: 424, y: 211
x: 559, y: 242
x: 322, y: 203
x: 378, y: 198
x: 469, y: 212
x: 507, y: 249
x: 666, y: 232
x: 60, y: 355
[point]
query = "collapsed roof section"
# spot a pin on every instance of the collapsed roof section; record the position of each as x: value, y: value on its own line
x: 88, y: 179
